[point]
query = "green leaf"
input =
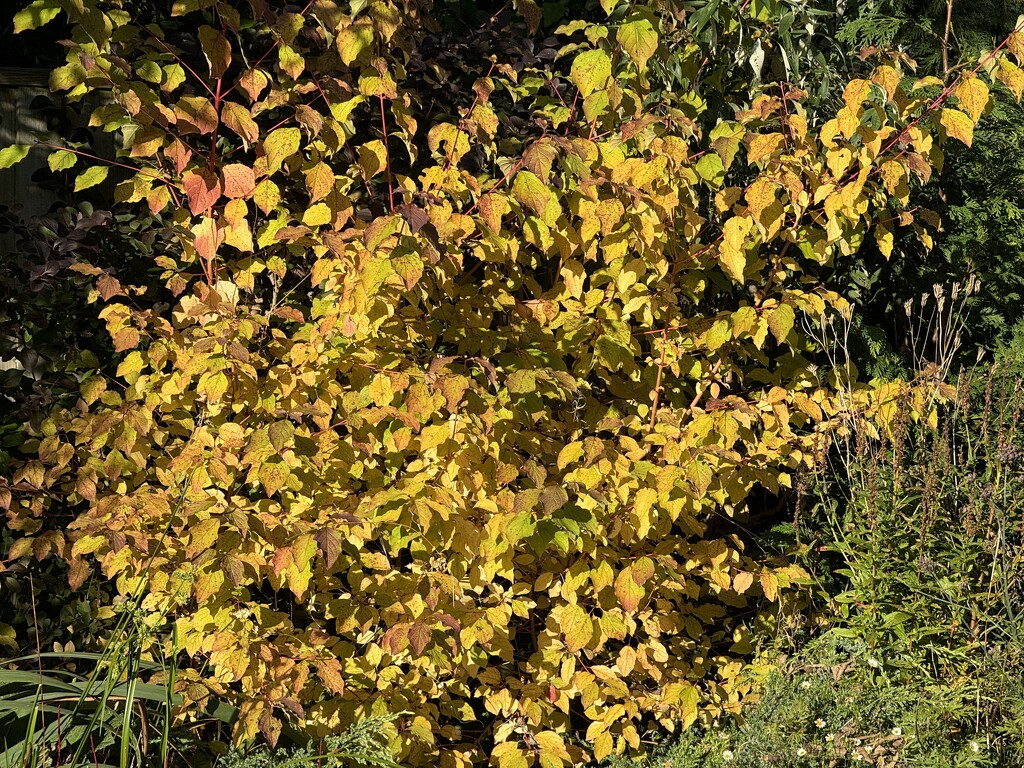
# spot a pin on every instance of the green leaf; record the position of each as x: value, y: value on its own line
x: 35, y: 15
x: 531, y: 192
x: 91, y: 177
x: 13, y: 154
x: 590, y: 71
x: 639, y: 39
x: 711, y: 169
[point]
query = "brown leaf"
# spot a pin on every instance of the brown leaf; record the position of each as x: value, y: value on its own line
x: 195, y: 114
x: 109, y: 287
x: 216, y: 49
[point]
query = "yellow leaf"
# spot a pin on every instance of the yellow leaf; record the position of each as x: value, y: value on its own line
x: 279, y: 145
x: 353, y: 41
x: 884, y: 238
x: 888, y: 79
x: 508, y: 755
x: 569, y: 454
x: 742, y: 581
x: 855, y: 93
x: 590, y: 71
x: 732, y: 254
x: 531, y: 192
x: 319, y: 181
x: 627, y: 591
x: 762, y: 145
x: 769, y: 585
x: 958, y: 125
x: 759, y: 196
x: 973, y: 95
x: 576, y: 626
x: 267, y: 196
x: 1010, y: 74
x: 603, y: 746
x: 781, y: 322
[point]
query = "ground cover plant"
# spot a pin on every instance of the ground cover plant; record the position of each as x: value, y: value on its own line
x: 453, y: 357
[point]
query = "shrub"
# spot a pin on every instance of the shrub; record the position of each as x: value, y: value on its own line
x: 450, y: 368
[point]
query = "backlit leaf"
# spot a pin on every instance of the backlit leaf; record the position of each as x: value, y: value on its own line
x: 590, y: 71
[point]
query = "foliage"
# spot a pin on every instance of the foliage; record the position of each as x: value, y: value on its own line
x: 454, y: 368
x: 363, y: 745
x: 923, y: 539
x: 829, y: 706
x: 977, y: 192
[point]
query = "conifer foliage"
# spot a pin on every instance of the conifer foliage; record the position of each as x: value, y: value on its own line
x: 446, y: 366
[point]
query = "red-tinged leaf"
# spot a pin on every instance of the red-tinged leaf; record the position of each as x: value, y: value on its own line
x: 78, y: 572
x: 283, y: 557
x: 178, y: 154
x: 239, y: 180
x: 203, y: 190
x: 207, y: 238
x: 270, y: 727
x: 158, y: 198
x: 450, y: 621
x: 627, y: 591
x: 234, y: 569
x: 253, y: 82
x: 125, y: 339
x: 419, y: 637
x: 396, y: 639
x: 329, y: 672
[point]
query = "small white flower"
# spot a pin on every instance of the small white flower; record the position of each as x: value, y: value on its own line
x: 897, y: 731
x: 723, y: 735
x: 831, y: 737
x: 856, y: 742
x: 820, y: 723
x: 801, y: 752
x: 868, y: 749
x: 858, y: 756
x: 975, y: 747
x: 805, y: 684
x: 727, y: 755
x: 873, y: 663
